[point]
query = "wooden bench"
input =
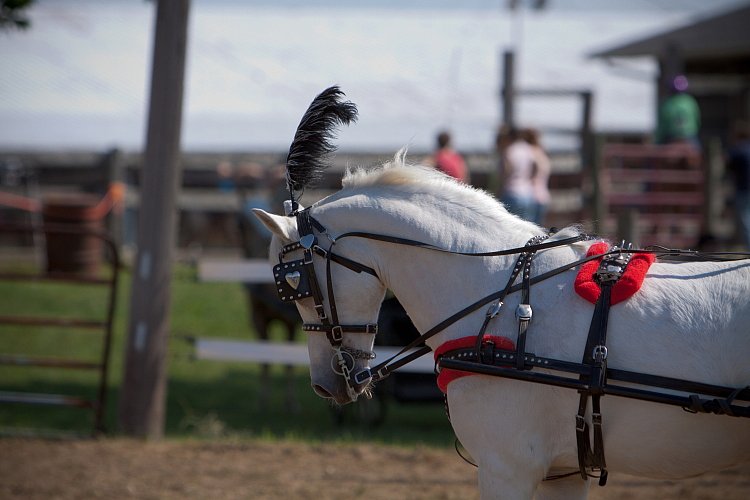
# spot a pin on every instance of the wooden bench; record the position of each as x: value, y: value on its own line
x: 244, y: 271
x: 284, y: 353
x: 259, y: 271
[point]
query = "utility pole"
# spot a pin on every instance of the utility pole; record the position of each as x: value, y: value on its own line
x: 142, y: 403
x: 508, y: 91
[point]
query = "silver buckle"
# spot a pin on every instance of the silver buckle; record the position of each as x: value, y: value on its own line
x: 337, y: 333
x: 320, y: 309
x: 599, y: 353
x: 524, y: 312
x: 288, y: 210
x: 580, y: 423
x: 362, y: 376
x: 308, y: 258
x: 494, y: 309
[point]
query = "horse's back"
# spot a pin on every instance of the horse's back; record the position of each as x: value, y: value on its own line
x: 690, y: 320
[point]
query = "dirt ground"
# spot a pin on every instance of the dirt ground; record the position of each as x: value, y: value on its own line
x: 124, y: 469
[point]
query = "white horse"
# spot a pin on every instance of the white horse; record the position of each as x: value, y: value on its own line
x: 689, y: 321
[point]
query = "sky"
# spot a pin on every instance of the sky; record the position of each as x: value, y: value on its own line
x: 78, y: 78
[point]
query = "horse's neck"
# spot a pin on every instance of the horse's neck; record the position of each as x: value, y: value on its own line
x: 433, y: 285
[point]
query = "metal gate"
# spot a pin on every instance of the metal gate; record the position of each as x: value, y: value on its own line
x: 37, y: 323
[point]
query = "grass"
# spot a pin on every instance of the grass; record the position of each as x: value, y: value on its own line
x: 206, y: 399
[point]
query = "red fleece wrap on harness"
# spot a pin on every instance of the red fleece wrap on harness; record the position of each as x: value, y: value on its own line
x: 446, y: 375
x: 585, y: 286
x: 626, y: 286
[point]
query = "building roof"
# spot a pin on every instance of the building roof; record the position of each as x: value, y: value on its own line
x: 724, y: 35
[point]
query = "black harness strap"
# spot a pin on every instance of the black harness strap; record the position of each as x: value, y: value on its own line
x: 523, y: 311
x: 610, y: 270
x: 338, y: 259
x: 594, y: 355
x: 510, y: 251
x: 385, y: 368
x: 519, y: 265
x: 592, y: 370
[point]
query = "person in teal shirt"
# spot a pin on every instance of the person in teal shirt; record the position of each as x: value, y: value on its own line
x: 679, y: 116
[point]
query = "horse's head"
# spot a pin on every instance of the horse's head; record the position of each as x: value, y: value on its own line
x: 338, y: 298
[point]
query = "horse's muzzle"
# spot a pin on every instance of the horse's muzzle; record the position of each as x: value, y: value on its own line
x: 337, y: 390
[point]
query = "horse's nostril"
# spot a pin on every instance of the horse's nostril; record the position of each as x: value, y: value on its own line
x: 320, y: 391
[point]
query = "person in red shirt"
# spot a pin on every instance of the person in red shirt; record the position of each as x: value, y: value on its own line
x: 447, y: 160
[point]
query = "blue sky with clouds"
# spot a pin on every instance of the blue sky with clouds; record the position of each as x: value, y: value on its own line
x: 79, y: 77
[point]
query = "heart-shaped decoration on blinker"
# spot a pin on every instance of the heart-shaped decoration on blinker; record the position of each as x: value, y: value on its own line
x: 293, y: 279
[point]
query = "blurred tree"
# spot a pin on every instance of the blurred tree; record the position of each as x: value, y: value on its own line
x: 12, y: 14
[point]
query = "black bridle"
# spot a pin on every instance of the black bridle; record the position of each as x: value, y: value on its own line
x: 296, y: 280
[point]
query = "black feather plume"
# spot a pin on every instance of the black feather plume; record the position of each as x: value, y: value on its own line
x: 312, y: 141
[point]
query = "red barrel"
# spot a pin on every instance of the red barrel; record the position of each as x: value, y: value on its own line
x: 74, y: 250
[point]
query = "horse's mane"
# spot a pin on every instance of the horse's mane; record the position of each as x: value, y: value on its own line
x: 403, y: 176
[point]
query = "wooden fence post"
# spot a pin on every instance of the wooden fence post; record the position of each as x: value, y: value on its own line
x: 143, y: 399
x: 597, y: 200
x: 508, y: 92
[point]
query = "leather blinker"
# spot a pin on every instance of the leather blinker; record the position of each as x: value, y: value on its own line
x: 292, y: 280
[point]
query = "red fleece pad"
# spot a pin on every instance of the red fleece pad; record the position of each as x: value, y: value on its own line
x: 629, y: 283
x: 446, y: 375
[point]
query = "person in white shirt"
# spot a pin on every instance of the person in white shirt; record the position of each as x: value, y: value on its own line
x: 540, y: 176
x: 517, y: 170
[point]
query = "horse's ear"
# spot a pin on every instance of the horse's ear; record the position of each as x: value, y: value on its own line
x: 283, y: 227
